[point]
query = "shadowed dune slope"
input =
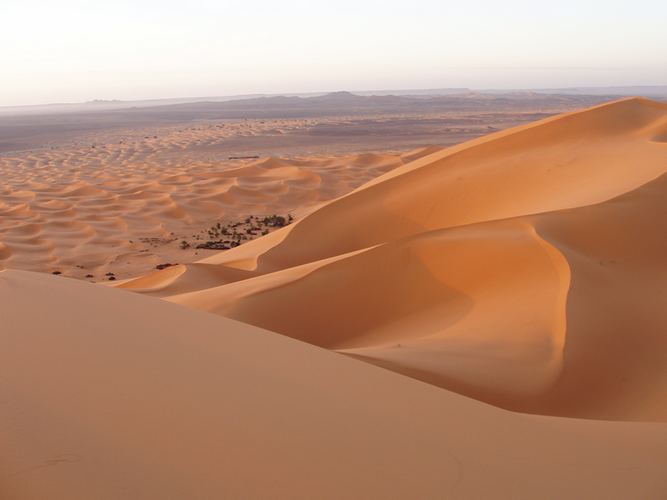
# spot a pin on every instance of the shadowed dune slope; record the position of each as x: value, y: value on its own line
x: 524, y: 269
x: 111, y: 395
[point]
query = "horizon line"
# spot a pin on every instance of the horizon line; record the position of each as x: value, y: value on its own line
x: 203, y: 98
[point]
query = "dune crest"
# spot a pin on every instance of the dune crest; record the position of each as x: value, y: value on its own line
x: 460, y: 267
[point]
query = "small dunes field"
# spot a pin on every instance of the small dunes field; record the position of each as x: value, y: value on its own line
x: 117, y: 208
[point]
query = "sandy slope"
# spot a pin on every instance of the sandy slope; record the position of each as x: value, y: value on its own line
x: 105, y: 394
x: 524, y: 268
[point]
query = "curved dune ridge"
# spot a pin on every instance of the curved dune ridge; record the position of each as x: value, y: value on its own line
x: 524, y: 269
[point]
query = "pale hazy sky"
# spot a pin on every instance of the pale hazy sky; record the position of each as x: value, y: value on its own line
x: 76, y: 50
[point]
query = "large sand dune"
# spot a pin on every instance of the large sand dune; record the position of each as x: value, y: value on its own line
x: 422, y: 336
x: 109, y: 395
x: 524, y: 269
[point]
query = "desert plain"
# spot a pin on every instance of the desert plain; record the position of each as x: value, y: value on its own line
x: 459, y: 296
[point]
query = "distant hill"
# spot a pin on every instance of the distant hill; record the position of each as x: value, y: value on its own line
x: 348, y: 103
x: 655, y: 91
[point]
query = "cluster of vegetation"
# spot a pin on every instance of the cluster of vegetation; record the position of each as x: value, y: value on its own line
x: 164, y: 266
x: 226, y: 236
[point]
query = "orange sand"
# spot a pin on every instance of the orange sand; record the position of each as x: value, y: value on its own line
x: 496, y: 268
x: 109, y: 395
x: 522, y: 271
x: 123, y: 208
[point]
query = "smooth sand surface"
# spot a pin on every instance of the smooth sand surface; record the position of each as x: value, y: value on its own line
x: 110, y: 395
x: 482, y: 321
x: 525, y: 269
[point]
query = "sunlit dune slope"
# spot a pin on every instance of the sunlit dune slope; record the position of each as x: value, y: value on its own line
x: 525, y: 269
x: 562, y: 162
x: 109, y: 395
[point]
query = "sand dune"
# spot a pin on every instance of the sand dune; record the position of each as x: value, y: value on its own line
x: 420, y: 335
x: 113, y: 395
x: 511, y: 268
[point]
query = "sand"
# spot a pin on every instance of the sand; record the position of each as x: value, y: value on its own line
x: 93, y: 191
x: 485, y: 320
x: 111, y: 395
x: 116, y: 209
